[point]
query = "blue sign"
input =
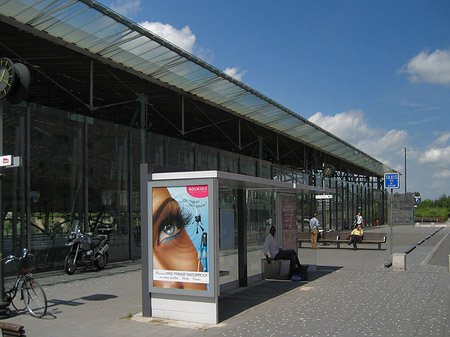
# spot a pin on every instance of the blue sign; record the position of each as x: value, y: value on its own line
x: 392, y: 180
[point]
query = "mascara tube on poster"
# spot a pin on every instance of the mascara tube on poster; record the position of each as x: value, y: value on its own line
x: 204, y: 252
x: 199, y: 258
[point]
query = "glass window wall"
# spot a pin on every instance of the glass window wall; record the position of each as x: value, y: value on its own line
x: 260, y: 216
x: 229, y: 162
x: 75, y: 166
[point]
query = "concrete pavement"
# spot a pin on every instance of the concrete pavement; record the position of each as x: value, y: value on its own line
x: 350, y: 294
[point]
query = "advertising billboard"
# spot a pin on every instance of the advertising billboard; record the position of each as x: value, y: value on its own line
x: 289, y: 222
x: 181, y: 238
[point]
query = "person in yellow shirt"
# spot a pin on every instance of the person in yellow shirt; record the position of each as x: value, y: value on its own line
x: 356, y: 236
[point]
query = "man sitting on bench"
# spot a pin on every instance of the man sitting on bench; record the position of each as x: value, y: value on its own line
x: 272, y: 251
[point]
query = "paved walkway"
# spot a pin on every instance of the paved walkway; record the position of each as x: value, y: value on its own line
x: 350, y: 294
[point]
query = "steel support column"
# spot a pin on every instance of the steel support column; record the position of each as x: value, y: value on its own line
x: 3, y: 304
x: 131, y: 242
x: 143, y: 103
x: 26, y: 164
x: 86, y: 177
x: 145, y: 176
x: 242, y: 239
x: 183, y: 132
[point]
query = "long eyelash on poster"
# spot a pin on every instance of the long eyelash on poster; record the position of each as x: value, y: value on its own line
x: 185, y: 217
x: 189, y: 220
x: 179, y: 218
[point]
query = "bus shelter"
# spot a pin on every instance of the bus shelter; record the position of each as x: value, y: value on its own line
x: 182, y: 225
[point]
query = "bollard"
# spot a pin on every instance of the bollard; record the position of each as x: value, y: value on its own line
x: 399, y: 262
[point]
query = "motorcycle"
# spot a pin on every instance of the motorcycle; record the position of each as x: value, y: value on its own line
x: 87, y: 248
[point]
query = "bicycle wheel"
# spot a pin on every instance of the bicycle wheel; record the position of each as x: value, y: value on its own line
x: 34, y: 297
x: 14, y: 300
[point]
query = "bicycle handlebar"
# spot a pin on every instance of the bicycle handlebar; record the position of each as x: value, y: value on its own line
x: 11, y: 257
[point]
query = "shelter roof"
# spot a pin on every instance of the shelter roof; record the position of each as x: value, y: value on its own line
x: 100, y: 33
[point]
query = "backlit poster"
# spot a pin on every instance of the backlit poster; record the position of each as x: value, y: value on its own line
x: 180, y: 237
x: 289, y: 221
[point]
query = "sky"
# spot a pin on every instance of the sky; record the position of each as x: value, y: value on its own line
x: 374, y: 73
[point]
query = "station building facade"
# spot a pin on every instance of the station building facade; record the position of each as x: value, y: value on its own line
x: 107, y: 96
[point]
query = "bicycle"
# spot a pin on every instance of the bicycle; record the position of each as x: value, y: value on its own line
x: 31, y: 292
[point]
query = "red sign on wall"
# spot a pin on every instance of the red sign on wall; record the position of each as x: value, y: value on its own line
x: 289, y: 220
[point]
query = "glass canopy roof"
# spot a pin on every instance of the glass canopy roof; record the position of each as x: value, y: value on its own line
x: 108, y: 35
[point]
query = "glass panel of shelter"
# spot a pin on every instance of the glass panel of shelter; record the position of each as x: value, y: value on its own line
x: 57, y: 183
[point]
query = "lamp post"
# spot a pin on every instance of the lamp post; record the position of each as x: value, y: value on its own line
x: 391, y: 181
x: 405, y: 170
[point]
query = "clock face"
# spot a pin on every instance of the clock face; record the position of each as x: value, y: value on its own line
x: 7, y: 75
x: 329, y: 171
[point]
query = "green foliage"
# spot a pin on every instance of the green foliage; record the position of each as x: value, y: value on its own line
x: 443, y: 202
x: 431, y: 213
x: 439, y: 208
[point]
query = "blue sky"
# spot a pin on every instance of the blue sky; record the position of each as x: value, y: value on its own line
x: 376, y: 74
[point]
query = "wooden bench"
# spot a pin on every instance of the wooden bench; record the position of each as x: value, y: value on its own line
x: 324, y: 237
x: 341, y: 237
x: 369, y: 237
x: 9, y: 329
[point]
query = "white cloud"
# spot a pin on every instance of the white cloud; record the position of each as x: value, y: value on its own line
x: 419, y: 107
x: 387, y: 146
x: 206, y: 55
x: 443, y: 139
x: 126, y: 7
x: 185, y: 39
x: 352, y: 127
x: 429, y: 68
x: 393, y: 141
x: 182, y: 38
x: 428, y: 171
x: 234, y: 72
x: 437, y: 156
x: 422, y: 121
x: 444, y: 174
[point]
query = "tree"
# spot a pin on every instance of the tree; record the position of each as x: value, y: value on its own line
x: 439, y: 208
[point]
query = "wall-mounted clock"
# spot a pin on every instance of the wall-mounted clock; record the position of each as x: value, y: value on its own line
x: 7, y: 76
x: 21, y: 84
x: 329, y: 171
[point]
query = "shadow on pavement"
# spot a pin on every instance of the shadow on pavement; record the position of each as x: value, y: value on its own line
x: 77, y: 301
x: 239, y: 300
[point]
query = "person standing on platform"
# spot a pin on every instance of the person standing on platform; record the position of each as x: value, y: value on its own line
x: 314, y: 229
x: 359, y: 219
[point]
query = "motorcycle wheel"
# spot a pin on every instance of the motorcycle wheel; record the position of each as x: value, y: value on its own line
x: 70, y: 265
x: 101, y: 260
